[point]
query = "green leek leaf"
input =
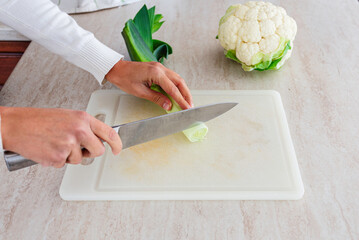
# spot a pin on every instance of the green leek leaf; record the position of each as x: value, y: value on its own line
x: 142, y: 22
x: 156, y: 26
x: 151, y: 15
x: 137, y: 48
x: 161, y: 52
x: 158, y: 17
x: 156, y: 23
x: 157, y: 43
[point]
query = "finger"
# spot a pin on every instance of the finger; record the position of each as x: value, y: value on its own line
x: 170, y: 88
x: 59, y: 164
x: 93, y: 146
x: 75, y: 156
x: 107, y: 134
x: 181, y: 85
x: 183, y: 88
x: 156, y: 97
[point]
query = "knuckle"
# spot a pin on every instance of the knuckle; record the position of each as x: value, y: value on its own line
x: 181, y: 81
x: 82, y: 115
x: 80, y: 133
x: 156, y: 72
x: 172, y: 90
x: 69, y: 143
x: 156, y: 64
x: 155, y: 69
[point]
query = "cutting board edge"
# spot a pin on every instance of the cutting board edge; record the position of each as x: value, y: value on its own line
x: 185, y: 195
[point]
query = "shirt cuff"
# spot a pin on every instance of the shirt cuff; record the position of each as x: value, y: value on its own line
x: 98, y: 59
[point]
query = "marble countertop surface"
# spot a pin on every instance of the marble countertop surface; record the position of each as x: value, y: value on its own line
x: 9, y: 34
x: 319, y: 86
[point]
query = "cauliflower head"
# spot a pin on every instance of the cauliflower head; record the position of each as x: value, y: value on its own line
x: 258, y: 35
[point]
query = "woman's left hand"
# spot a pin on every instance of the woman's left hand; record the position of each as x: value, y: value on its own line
x: 136, y: 78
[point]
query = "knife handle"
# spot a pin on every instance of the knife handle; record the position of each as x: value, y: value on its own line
x: 15, y: 161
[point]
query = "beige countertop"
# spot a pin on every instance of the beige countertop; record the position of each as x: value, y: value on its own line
x: 319, y: 86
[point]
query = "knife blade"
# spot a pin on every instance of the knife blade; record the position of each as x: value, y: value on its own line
x: 156, y: 127
x: 145, y: 130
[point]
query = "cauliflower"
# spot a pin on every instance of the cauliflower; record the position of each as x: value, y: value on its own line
x: 258, y: 35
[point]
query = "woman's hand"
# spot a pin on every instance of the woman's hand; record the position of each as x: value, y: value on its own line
x: 136, y: 78
x: 52, y: 137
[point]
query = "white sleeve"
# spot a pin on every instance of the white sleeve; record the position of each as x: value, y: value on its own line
x: 43, y: 22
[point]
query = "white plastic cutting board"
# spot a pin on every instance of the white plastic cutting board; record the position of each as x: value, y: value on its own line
x: 248, y: 154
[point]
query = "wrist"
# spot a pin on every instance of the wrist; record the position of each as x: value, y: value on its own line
x: 6, y: 113
x: 112, y: 75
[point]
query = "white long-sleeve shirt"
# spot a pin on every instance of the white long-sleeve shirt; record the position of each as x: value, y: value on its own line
x: 43, y: 22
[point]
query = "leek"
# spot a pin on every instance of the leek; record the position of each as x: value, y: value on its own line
x: 141, y: 47
x: 194, y: 134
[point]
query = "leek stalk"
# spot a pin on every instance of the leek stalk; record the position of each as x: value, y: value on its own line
x: 141, y: 47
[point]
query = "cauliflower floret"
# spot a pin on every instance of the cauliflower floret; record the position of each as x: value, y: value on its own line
x: 256, y: 31
x: 271, y: 10
x: 252, y: 4
x: 245, y: 51
x: 249, y: 31
x: 288, y: 28
x: 262, y: 14
x: 277, y: 19
x: 252, y: 14
x: 241, y: 12
x: 229, y: 33
x: 267, y: 27
x: 269, y: 44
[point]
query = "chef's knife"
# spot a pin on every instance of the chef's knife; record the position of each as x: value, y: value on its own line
x: 142, y: 131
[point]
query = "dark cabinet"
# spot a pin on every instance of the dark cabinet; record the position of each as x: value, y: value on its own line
x: 10, y: 54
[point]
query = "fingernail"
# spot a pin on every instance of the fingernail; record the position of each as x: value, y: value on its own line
x: 192, y: 105
x: 166, y: 106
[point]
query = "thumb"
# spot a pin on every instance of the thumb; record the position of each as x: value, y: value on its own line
x: 157, y: 98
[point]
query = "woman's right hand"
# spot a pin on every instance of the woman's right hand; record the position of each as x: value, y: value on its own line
x: 53, y: 137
